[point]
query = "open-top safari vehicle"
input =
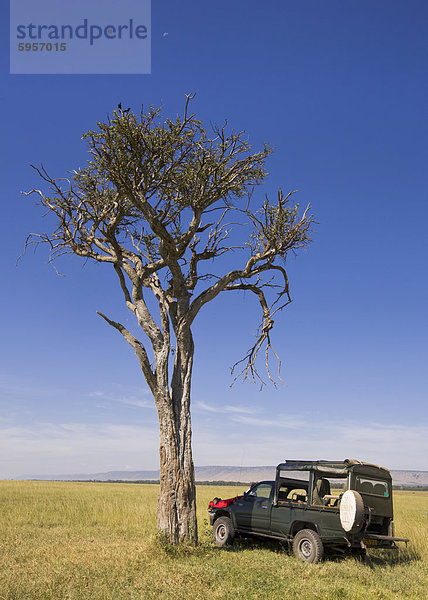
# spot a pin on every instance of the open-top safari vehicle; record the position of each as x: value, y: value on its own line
x: 340, y: 506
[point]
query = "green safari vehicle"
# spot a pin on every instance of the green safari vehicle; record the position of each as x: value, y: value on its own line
x: 318, y: 506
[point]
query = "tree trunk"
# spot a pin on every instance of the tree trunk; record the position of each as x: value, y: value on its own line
x: 177, y: 494
x: 177, y: 498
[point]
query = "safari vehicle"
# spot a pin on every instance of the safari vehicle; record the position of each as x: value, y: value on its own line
x: 318, y: 506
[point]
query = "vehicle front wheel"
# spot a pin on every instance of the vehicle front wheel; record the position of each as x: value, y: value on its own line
x: 307, y: 546
x: 223, y: 531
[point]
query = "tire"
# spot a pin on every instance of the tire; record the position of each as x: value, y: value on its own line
x: 351, y: 511
x: 307, y: 546
x: 223, y: 531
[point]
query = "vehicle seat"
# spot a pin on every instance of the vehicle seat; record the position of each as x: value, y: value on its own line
x: 282, y: 495
x: 366, y: 487
x: 321, y: 489
x: 379, y: 489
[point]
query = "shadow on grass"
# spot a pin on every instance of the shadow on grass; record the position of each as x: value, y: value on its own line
x: 160, y: 545
x: 206, y: 547
x: 392, y: 558
x: 374, y: 558
x: 240, y: 544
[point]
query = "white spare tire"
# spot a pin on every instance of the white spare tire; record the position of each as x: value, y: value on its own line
x: 351, y: 511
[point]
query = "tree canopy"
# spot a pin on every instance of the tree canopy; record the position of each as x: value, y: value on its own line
x: 154, y: 201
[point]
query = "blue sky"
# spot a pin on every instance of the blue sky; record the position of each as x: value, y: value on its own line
x: 339, y: 90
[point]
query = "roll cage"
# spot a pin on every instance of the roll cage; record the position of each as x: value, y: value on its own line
x: 348, y: 470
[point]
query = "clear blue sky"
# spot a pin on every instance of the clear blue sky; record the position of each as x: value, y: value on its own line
x: 340, y: 91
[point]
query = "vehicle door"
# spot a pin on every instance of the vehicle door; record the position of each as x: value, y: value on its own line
x: 290, y: 506
x: 253, y: 509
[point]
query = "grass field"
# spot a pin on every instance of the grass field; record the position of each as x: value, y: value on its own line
x: 97, y: 541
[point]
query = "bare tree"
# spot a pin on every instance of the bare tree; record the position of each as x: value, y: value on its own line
x: 156, y: 201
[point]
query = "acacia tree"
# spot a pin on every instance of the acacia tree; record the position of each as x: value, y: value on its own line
x: 155, y: 201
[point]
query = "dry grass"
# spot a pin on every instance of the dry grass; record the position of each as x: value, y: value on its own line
x: 89, y: 541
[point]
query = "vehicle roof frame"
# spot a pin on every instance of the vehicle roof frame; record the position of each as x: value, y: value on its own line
x: 330, y: 468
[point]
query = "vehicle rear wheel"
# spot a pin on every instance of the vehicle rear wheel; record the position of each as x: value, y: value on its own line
x: 307, y: 546
x: 223, y: 531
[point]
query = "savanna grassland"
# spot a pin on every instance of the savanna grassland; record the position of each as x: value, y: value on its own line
x: 97, y: 541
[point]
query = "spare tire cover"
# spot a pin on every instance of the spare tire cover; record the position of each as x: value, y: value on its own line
x: 351, y: 511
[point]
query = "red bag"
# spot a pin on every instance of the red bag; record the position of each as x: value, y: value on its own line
x: 219, y: 503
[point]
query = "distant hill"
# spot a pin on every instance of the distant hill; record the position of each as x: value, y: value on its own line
x: 409, y: 477
x: 217, y: 473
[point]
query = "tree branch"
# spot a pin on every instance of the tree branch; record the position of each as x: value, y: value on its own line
x: 250, y: 369
x: 139, y: 350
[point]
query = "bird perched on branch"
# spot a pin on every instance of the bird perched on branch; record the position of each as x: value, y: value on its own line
x: 124, y: 112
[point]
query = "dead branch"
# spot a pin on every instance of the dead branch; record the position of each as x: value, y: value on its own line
x: 138, y: 348
x: 263, y: 335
